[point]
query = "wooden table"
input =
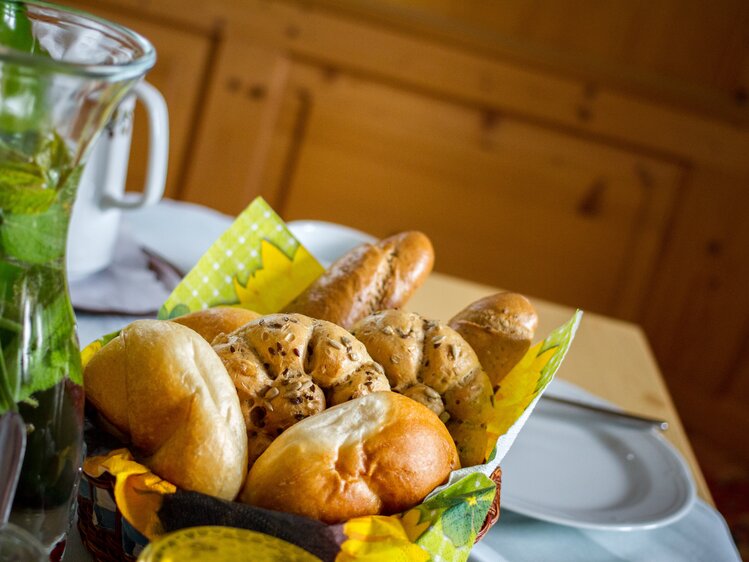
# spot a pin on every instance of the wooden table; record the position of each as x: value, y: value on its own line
x: 609, y: 358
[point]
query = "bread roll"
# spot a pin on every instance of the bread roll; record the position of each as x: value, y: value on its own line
x: 369, y: 278
x: 379, y: 454
x: 211, y: 322
x: 429, y: 362
x: 287, y: 367
x: 164, y: 387
x: 500, y: 329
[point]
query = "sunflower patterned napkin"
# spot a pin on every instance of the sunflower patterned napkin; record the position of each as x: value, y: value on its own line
x: 258, y: 264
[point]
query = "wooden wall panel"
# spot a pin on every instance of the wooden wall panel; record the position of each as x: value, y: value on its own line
x: 181, y: 70
x: 306, y: 32
x: 696, y: 46
x: 235, y: 133
x: 505, y: 202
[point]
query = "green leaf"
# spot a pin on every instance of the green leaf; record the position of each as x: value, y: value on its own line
x: 176, y: 312
x: 15, y: 28
x: 42, y: 349
x: 34, y: 238
x: 461, y: 509
x: 560, y: 338
x: 22, y: 92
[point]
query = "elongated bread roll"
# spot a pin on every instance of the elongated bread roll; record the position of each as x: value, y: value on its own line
x: 429, y: 362
x: 369, y: 278
x: 164, y: 387
x: 500, y: 329
x: 379, y: 454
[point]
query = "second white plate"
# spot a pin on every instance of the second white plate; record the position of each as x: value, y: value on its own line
x: 570, y: 468
x: 327, y: 241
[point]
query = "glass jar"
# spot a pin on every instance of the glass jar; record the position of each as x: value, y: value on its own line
x: 62, y: 73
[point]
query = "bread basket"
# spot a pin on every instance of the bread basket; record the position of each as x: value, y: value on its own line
x: 257, y: 263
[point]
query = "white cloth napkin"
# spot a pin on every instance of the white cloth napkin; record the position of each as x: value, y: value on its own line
x: 137, y: 283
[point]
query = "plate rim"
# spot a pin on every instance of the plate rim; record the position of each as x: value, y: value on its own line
x: 570, y: 390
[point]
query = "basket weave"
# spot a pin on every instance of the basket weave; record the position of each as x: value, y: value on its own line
x: 103, y: 540
x: 110, y: 538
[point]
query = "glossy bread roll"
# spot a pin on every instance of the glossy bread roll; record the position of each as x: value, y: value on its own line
x: 287, y: 367
x: 211, y: 322
x: 369, y: 278
x: 163, y: 386
x: 429, y: 362
x: 500, y: 329
x: 379, y: 454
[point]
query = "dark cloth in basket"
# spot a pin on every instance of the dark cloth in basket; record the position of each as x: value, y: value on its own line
x: 191, y: 509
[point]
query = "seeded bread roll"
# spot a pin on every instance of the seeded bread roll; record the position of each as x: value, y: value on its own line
x: 500, y: 329
x: 161, y: 385
x: 379, y: 454
x: 429, y: 362
x: 211, y: 322
x: 369, y: 278
x: 287, y: 367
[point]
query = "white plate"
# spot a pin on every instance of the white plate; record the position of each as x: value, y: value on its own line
x: 327, y: 241
x: 572, y: 468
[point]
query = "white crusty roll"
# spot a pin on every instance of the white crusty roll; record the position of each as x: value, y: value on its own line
x: 379, y: 454
x: 163, y: 386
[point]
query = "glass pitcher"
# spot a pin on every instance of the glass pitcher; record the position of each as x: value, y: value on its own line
x: 62, y: 72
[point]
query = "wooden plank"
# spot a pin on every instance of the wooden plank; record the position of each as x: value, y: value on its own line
x: 669, y: 51
x: 699, y: 310
x: 235, y: 133
x: 413, y: 62
x: 503, y: 201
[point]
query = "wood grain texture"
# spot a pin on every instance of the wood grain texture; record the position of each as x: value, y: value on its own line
x: 687, y: 53
x: 236, y: 129
x: 503, y: 201
x: 307, y: 31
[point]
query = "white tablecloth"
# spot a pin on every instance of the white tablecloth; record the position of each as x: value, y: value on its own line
x: 182, y: 232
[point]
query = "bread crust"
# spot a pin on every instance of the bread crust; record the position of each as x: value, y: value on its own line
x: 287, y: 367
x: 212, y: 322
x: 500, y: 329
x: 165, y: 388
x: 369, y: 278
x: 379, y: 454
x: 431, y: 363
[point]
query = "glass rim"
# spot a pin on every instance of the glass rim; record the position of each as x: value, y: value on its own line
x: 113, y: 71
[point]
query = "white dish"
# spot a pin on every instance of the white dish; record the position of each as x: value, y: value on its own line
x: 327, y: 241
x: 573, y: 468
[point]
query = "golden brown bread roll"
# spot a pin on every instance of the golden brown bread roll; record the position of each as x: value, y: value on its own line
x: 429, y: 362
x: 164, y: 387
x: 287, y: 367
x: 500, y: 329
x: 211, y: 322
x: 379, y: 454
x: 369, y: 278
